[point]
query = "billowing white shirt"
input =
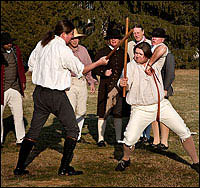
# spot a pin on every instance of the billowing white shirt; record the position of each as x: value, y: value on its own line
x: 51, y: 65
x: 142, y: 88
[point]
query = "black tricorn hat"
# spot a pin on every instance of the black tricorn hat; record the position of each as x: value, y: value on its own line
x: 6, y: 38
x: 159, y: 32
x: 113, y: 34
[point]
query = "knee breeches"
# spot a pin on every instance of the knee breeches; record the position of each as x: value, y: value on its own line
x: 142, y: 116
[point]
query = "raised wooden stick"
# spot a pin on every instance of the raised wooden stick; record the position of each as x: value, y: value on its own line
x: 125, y: 56
x: 120, y: 43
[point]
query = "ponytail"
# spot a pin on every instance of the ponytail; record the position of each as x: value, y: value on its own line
x: 61, y: 26
x: 47, y: 38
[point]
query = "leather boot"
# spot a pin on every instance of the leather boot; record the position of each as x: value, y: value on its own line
x: 25, y: 149
x: 65, y: 169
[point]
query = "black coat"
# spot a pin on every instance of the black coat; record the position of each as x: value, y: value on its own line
x: 116, y: 63
x: 168, y: 73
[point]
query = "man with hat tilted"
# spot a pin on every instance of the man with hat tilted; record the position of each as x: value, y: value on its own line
x: 109, y: 96
x: 13, y: 83
x: 78, y: 92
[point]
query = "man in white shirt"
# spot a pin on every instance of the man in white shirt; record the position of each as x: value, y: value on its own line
x: 50, y: 63
x: 138, y: 34
x: 143, y: 97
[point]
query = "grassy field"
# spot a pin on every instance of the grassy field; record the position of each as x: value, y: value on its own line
x: 148, y: 169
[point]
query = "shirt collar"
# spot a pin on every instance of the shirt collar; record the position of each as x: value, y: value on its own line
x: 143, y: 39
x: 60, y: 39
x: 74, y: 50
x: 112, y: 47
x: 6, y: 51
x: 141, y: 65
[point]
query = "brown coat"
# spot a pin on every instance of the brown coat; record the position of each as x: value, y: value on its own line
x: 20, y: 73
x: 116, y: 63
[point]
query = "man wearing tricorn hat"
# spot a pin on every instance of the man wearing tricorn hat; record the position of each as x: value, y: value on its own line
x: 13, y: 83
x: 78, y: 91
x: 109, y: 96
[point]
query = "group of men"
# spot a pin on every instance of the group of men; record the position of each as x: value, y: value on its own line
x: 61, y: 69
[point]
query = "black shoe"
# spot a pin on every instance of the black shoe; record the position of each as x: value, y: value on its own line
x: 122, y: 165
x: 145, y: 140
x: 20, y: 172
x: 154, y: 146
x: 195, y: 166
x: 101, y: 144
x: 162, y: 147
x: 70, y: 171
x: 150, y: 140
x: 140, y: 143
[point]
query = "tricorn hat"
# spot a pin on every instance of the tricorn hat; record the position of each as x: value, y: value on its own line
x: 159, y: 32
x: 6, y: 38
x: 77, y: 35
x: 113, y: 34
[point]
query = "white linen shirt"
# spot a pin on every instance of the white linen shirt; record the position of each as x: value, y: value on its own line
x: 132, y: 44
x: 51, y: 65
x: 142, y: 88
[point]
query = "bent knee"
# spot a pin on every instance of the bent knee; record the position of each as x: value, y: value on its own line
x: 185, y: 135
x: 131, y: 140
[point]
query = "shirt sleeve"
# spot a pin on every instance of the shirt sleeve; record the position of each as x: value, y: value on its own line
x: 70, y: 61
x: 32, y: 58
x: 129, y: 74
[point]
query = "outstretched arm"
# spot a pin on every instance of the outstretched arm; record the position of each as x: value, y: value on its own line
x: 101, y: 61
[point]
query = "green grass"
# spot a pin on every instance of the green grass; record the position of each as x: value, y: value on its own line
x: 148, y: 169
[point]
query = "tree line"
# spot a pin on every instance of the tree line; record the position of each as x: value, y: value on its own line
x: 28, y: 21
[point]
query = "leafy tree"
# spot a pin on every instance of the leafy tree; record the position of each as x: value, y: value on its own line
x: 28, y: 21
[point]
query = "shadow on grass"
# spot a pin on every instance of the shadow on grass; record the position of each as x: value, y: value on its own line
x: 118, y: 153
x: 168, y: 154
x: 9, y: 126
x: 92, y: 121
x: 50, y: 137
